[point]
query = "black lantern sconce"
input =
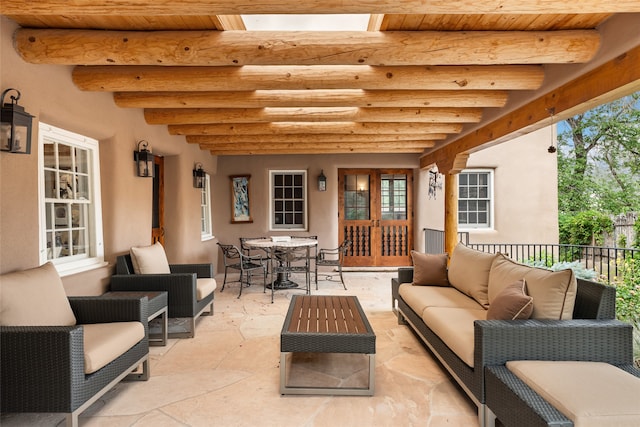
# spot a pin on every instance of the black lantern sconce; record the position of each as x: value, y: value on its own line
x: 144, y: 160
x: 15, y: 130
x: 322, y: 181
x: 198, y: 176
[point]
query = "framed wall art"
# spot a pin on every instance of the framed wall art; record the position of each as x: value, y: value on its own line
x: 240, y: 207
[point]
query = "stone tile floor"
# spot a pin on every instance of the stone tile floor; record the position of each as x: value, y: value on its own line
x: 228, y: 375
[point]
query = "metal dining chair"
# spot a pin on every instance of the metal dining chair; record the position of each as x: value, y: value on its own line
x: 246, y: 264
x: 332, y: 258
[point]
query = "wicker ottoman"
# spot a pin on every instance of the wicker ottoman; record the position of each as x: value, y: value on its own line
x: 326, y: 324
x: 563, y: 393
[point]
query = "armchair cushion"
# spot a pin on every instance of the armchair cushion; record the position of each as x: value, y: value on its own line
x: 205, y: 287
x: 150, y: 259
x: 34, y: 297
x: 105, y: 342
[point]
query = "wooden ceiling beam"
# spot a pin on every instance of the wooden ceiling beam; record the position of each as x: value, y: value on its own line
x: 613, y: 79
x: 372, y: 146
x: 273, y: 77
x: 313, y: 98
x: 156, y: 116
x: 346, y: 149
x: 220, y: 48
x: 425, y: 139
x: 226, y: 7
x: 284, y: 128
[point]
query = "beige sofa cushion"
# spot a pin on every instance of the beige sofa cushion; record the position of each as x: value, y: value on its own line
x: 104, y: 342
x: 512, y: 303
x: 430, y: 269
x: 421, y: 297
x: 591, y: 394
x: 150, y: 259
x: 34, y: 297
x: 469, y: 272
x: 553, y: 292
x: 204, y: 287
x: 455, y: 327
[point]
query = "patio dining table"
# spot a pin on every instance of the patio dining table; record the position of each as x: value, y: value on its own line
x: 275, y: 248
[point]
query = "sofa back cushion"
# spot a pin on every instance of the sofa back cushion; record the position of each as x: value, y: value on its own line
x: 429, y: 269
x: 469, y: 272
x: 34, y: 297
x: 150, y: 259
x: 553, y: 292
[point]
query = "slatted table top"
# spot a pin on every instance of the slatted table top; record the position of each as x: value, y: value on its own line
x: 330, y: 324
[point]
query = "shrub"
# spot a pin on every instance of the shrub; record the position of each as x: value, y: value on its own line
x: 627, y: 284
x: 584, y: 227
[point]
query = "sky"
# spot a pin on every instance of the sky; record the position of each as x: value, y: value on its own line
x: 306, y: 22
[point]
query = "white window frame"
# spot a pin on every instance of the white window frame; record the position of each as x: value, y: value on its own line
x: 206, y: 227
x: 94, y: 257
x: 491, y: 197
x: 276, y: 227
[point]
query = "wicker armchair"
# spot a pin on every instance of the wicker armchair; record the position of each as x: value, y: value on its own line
x: 43, y: 367
x: 181, y: 285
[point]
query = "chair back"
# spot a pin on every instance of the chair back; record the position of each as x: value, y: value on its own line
x: 124, y: 265
x: 231, y: 253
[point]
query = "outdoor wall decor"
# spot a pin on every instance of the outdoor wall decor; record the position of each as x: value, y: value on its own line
x: 240, y: 210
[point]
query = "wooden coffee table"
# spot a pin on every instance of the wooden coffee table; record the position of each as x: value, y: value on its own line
x: 326, y: 324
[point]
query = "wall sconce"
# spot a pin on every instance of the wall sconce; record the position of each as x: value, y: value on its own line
x: 15, y: 130
x: 144, y: 160
x: 322, y: 181
x: 198, y: 176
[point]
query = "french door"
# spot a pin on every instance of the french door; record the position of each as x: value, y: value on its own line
x: 157, y: 219
x: 376, y: 214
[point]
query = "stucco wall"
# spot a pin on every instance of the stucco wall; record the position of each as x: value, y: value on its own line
x: 50, y: 95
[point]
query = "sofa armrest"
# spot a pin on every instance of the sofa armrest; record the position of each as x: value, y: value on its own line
x: 102, y: 309
x: 498, y: 341
x: 201, y: 270
x: 405, y: 274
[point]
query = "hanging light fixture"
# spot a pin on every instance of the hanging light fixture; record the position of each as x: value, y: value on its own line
x: 144, y: 160
x: 198, y: 176
x: 15, y: 130
x: 552, y: 149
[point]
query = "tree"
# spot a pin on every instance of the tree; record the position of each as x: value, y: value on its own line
x: 599, y: 159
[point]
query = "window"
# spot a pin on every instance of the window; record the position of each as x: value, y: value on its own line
x: 206, y: 231
x: 393, y: 196
x: 356, y: 197
x: 474, y: 199
x: 69, y: 200
x: 288, y: 200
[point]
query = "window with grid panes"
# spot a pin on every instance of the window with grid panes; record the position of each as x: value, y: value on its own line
x: 393, y: 196
x: 288, y: 199
x: 70, y: 204
x: 206, y: 229
x: 474, y: 199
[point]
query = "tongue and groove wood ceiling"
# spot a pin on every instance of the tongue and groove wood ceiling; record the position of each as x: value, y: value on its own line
x: 427, y: 74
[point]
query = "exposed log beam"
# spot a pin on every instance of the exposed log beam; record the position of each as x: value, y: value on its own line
x: 298, y: 128
x: 217, y: 48
x: 345, y: 149
x: 371, y: 146
x: 609, y: 81
x: 426, y: 140
x: 274, y: 77
x: 349, y: 114
x: 226, y: 7
x: 313, y: 98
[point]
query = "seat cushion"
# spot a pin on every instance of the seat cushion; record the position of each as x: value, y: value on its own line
x: 455, y: 327
x: 204, y: 287
x: 34, y: 297
x: 429, y: 269
x: 591, y: 394
x: 512, y: 303
x: 105, y: 342
x: 421, y: 297
x: 469, y: 272
x: 150, y: 259
x: 553, y: 292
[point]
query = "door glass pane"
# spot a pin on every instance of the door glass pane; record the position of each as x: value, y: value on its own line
x: 393, y: 197
x: 356, y: 197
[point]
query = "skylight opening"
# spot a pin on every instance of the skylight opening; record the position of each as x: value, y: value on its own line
x: 353, y: 22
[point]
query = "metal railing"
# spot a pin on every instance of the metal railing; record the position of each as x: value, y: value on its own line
x: 605, y: 261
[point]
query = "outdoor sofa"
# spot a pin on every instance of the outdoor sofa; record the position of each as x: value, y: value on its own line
x: 558, y: 317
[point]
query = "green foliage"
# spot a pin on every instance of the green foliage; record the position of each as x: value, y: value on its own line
x: 636, y: 228
x: 627, y: 285
x: 584, y: 227
x: 622, y: 241
x: 577, y: 267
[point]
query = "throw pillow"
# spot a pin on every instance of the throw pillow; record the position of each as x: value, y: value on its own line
x: 34, y: 297
x: 469, y: 273
x: 512, y: 303
x: 429, y: 269
x: 554, y: 292
x: 150, y: 259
